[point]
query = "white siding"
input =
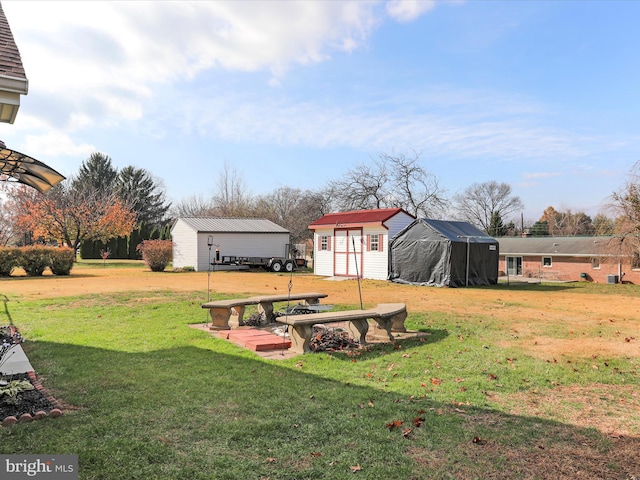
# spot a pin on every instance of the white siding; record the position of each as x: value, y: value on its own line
x: 322, y: 260
x: 375, y: 263
x: 185, y: 248
x: 251, y: 244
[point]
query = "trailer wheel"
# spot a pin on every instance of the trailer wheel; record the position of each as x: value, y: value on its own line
x: 289, y: 266
x: 276, y: 266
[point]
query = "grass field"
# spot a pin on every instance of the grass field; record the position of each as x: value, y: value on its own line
x: 518, y: 381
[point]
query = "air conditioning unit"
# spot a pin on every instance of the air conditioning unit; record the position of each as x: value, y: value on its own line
x: 612, y: 279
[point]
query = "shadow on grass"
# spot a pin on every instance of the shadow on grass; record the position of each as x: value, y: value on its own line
x: 197, y: 413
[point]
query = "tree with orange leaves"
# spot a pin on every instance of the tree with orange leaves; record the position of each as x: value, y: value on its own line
x: 70, y: 215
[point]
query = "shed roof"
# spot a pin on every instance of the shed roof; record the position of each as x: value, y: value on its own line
x: 232, y: 225
x: 558, y: 246
x: 378, y: 215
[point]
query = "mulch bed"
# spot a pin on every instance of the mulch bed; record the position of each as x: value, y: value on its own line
x: 25, y: 405
x: 31, y: 402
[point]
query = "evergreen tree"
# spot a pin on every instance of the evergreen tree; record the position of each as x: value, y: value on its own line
x: 496, y: 226
x: 144, y: 195
x: 96, y: 174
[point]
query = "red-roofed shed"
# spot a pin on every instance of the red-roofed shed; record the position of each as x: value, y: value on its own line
x: 356, y: 243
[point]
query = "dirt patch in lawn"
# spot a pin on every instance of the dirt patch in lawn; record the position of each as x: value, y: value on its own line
x: 614, y: 410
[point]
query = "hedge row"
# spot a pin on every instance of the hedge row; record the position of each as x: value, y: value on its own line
x: 124, y: 247
x: 35, y: 260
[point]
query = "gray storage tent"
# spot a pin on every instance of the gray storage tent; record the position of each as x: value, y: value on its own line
x: 441, y: 253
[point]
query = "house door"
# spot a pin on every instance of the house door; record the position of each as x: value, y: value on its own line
x: 514, y: 266
x: 348, y: 252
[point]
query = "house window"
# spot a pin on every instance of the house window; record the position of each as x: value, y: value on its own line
x: 635, y: 261
x: 595, y: 262
x: 546, y: 261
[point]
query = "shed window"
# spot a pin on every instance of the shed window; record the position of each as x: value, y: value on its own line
x: 546, y: 261
x: 374, y: 242
x: 324, y: 243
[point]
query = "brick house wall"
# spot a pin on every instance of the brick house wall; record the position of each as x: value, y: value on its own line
x: 572, y: 269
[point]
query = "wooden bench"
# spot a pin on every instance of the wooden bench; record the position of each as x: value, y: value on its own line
x: 389, y: 317
x: 221, y: 311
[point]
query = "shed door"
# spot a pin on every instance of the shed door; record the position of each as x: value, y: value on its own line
x: 348, y: 252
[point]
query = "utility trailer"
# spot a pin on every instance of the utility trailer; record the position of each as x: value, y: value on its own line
x: 275, y: 264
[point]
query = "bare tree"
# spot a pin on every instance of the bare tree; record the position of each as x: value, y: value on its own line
x: 194, y: 206
x: 625, y: 204
x: 231, y: 198
x: 364, y: 186
x: 391, y: 180
x: 291, y: 208
x: 625, y: 207
x: 415, y: 189
x: 480, y: 202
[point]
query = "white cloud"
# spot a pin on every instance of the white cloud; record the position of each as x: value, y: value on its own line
x: 103, y: 59
x: 54, y: 145
x: 542, y: 175
x: 408, y: 10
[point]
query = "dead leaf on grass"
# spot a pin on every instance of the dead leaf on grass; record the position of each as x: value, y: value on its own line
x: 355, y: 468
x: 394, y: 424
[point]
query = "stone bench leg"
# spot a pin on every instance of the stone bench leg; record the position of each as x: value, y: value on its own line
x: 382, y: 328
x: 398, y: 322
x: 220, y: 318
x: 267, y: 309
x: 358, y: 329
x: 238, y: 313
x: 300, y: 338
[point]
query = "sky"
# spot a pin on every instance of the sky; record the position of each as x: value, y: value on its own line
x: 542, y: 95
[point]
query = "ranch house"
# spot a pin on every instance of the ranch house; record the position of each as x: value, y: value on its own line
x: 597, y: 259
x: 356, y: 243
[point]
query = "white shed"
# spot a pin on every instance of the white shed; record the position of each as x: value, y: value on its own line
x: 356, y: 243
x: 229, y: 237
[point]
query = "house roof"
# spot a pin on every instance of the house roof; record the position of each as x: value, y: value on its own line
x: 556, y: 246
x: 10, y: 60
x: 232, y: 225
x: 13, y: 80
x: 378, y: 215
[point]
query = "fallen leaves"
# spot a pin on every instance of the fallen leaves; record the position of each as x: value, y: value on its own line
x: 394, y: 424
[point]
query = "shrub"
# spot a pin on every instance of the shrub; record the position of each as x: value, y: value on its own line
x: 61, y: 260
x: 34, y: 260
x: 9, y: 259
x: 156, y: 253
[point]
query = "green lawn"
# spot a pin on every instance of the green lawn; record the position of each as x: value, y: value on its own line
x: 149, y: 397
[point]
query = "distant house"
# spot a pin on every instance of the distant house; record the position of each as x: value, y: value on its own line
x: 199, y: 241
x: 356, y: 243
x: 595, y: 259
x: 443, y: 254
